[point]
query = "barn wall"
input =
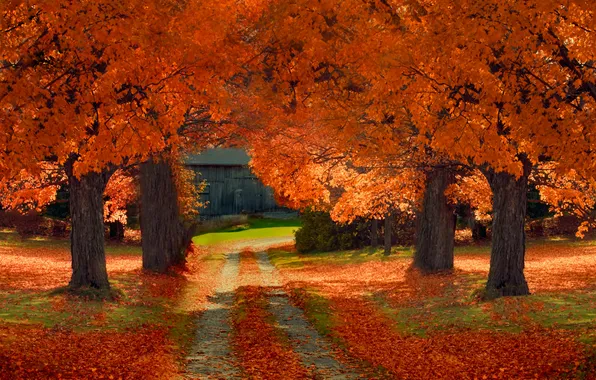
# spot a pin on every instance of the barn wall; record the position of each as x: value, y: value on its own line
x: 233, y: 190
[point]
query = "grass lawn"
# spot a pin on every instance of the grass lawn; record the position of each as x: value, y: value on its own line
x: 10, y: 239
x: 254, y: 229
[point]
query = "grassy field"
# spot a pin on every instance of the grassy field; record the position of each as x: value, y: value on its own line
x: 254, y: 229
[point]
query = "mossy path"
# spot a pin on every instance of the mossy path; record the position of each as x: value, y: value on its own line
x: 215, y: 354
x: 211, y: 355
x: 314, y: 351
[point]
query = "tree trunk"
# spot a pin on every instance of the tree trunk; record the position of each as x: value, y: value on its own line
x: 435, y: 224
x: 87, y: 230
x: 387, y: 233
x: 478, y: 229
x: 374, y: 232
x: 116, y: 230
x: 162, y: 231
x: 506, y: 274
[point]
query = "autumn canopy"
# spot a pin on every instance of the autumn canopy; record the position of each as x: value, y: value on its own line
x: 360, y: 108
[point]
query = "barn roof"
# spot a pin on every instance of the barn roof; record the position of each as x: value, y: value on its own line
x: 220, y: 157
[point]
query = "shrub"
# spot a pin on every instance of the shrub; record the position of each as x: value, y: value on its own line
x: 320, y: 233
x: 221, y: 222
x: 6, y: 219
x: 60, y: 228
x: 33, y: 223
x: 30, y: 223
x: 565, y: 225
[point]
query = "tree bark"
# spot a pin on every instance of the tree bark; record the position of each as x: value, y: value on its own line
x: 506, y: 274
x: 374, y: 232
x: 435, y: 224
x: 162, y: 232
x: 87, y: 230
x: 387, y: 233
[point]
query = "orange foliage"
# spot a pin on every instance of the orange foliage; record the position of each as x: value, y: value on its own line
x: 475, y: 191
x: 100, y: 83
x: 569, y: 193
x: 325, y: 178
x: 31, y: 190
x: 388, y: 87
x: 96, y: 86
x: 187, y: 190
x: 120, y: 191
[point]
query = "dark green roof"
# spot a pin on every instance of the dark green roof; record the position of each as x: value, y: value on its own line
x: 219, y: 156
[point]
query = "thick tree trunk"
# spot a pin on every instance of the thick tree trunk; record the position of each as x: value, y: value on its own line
x: 374, y: 232
x: 506, y: 274
x: 387, y: 233
x: 435, y: 224
x: 162, y: 232
x: 87, y: 231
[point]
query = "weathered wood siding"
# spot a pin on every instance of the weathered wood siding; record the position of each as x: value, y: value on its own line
x: 232, y: 190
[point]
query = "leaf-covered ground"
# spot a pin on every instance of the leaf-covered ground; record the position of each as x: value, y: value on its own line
x: 412, y: 326
x: 145, y: 333
x: 363, y: 314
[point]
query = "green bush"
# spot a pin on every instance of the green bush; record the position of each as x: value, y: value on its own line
x: 320, y: 233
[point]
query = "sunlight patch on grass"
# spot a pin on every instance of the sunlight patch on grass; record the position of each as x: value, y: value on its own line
x: 566, y: 310
x: 11, y: 239
x: 123, y: 249
x: 135, y: 315
x: 434, y: 314
x: 292, y: 259
x: 254, y: 229
x: 48, y: 310
x: 214, y: 238
x: 136, y: 306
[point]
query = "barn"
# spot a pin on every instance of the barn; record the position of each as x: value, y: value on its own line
x: 231, y: 187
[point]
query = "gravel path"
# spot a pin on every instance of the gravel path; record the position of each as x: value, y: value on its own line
x: 315, y: 352
x: 211, y: 356
x: 259, y: 244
